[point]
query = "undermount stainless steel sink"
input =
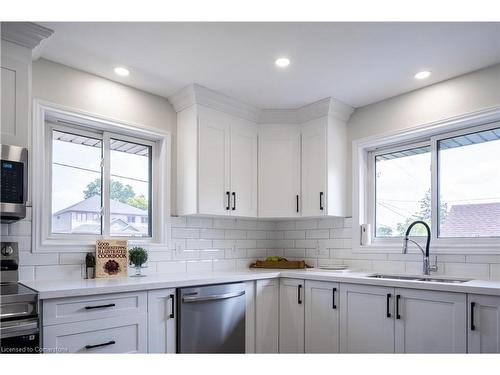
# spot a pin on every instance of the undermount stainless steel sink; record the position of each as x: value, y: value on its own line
x: 419, y: 278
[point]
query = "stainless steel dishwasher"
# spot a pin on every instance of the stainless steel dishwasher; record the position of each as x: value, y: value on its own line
x: 211, y: 319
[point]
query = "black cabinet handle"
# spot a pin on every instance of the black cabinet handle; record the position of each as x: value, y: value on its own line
x: 398, y: 297
x: 297, y: 202
x: 99, y: 345
x: 334, y: 306
x: 299, y: 289
x: 228, y: 195
x: 472, y: 325
x: 172, y: 300
x: 388, y: 301
x: 321, y: 200
x: 99, y: 306
x: 234, y: 201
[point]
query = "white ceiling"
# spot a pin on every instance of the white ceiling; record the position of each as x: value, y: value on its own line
x: 358, y: 63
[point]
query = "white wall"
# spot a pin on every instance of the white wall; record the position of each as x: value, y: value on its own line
x: 468, y: 93
x: 74, y: 88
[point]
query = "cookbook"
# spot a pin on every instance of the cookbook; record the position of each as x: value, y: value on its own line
x: 111, y: 258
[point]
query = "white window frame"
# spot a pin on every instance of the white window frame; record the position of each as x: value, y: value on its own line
x: 104, y: 128
x: 363, y: 201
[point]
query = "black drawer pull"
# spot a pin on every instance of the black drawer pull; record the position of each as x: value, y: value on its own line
x: 398, y: 297
x: 228, y: 200
x: 99, y: 306
x: 172, y: 299
x: 321, y: 200
x: 299, y: 289
x: 297, y: 203
x: 234, y: 201
x: 334, y: 306
x: 112, y: 342
x: 388, y: 312
x: 472, y: 325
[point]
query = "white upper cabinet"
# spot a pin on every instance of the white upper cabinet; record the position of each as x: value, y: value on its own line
x: 314, y: 172
x: 243, y: 168
x: 293, y: 164
x: 213, y: 162
x: 18, y: 40
x: 216, y: 163
x: 484, y: 324
x: 279, y: 171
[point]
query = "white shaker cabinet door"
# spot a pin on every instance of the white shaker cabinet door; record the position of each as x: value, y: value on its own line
x: 161, y: 321
x: 430, y: 321
x: 279, y: 171
x: 243, y: 168
x: 213, y: 162
x: 314, y: 169
x: 292, y: 301
x: 322, y: 317
x: 266, y: 316
x: 484, y: 324
x: 366, y: 321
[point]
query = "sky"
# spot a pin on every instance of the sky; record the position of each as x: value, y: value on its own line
x: 69, y: 183
x: 469, y: 174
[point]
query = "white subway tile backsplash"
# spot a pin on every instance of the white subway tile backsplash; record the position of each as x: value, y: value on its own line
x: 317, y: 233
x: 224, y: 265
x: 26, y: 273
x: 295, y: 235
x: 472, y: 270
x: 171, y: 267
x: 201, y: 244
x: 306, y: 224
x: 199, y: 265
x: 235, y: 234
x: 197, y: 222
x: 59, y: 272
x: 31, y: 259
x: 20, y: 228
x: 198, y: 244
x: 185, y: 233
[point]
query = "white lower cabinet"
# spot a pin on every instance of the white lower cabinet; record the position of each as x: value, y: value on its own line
x: 266, y: 316
x: 430, y: 322
x: 291, y: 323
x: 322, y: 317
x: 162, y: 321
x: 484, y: 324
x: 387, y: 320
x: 366, y: 319
x: 121, y: 334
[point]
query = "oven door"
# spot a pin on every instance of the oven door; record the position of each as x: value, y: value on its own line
x: 19, y: 336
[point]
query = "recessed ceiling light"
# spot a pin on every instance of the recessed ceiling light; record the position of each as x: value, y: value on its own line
x: 121, y: 71
x: 282, y: 62
x: 423, y: 75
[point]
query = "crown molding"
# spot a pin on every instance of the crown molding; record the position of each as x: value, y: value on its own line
x: 25, y: 34
x: 279, y: 116
x: 197, y: 94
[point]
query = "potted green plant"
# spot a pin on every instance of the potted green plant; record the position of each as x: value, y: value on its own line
x: 137, y: 256
x: 90, y: 265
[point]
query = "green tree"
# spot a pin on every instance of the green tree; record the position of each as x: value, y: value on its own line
x: 423, y: 214
x: 139, y: 201
x: 118, y: 191
x: 384, y: 231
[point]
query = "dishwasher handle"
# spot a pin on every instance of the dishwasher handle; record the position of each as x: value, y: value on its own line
x: 213, y: 297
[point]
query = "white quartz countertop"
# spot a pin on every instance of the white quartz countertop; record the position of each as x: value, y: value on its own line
x: 71, y: 288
